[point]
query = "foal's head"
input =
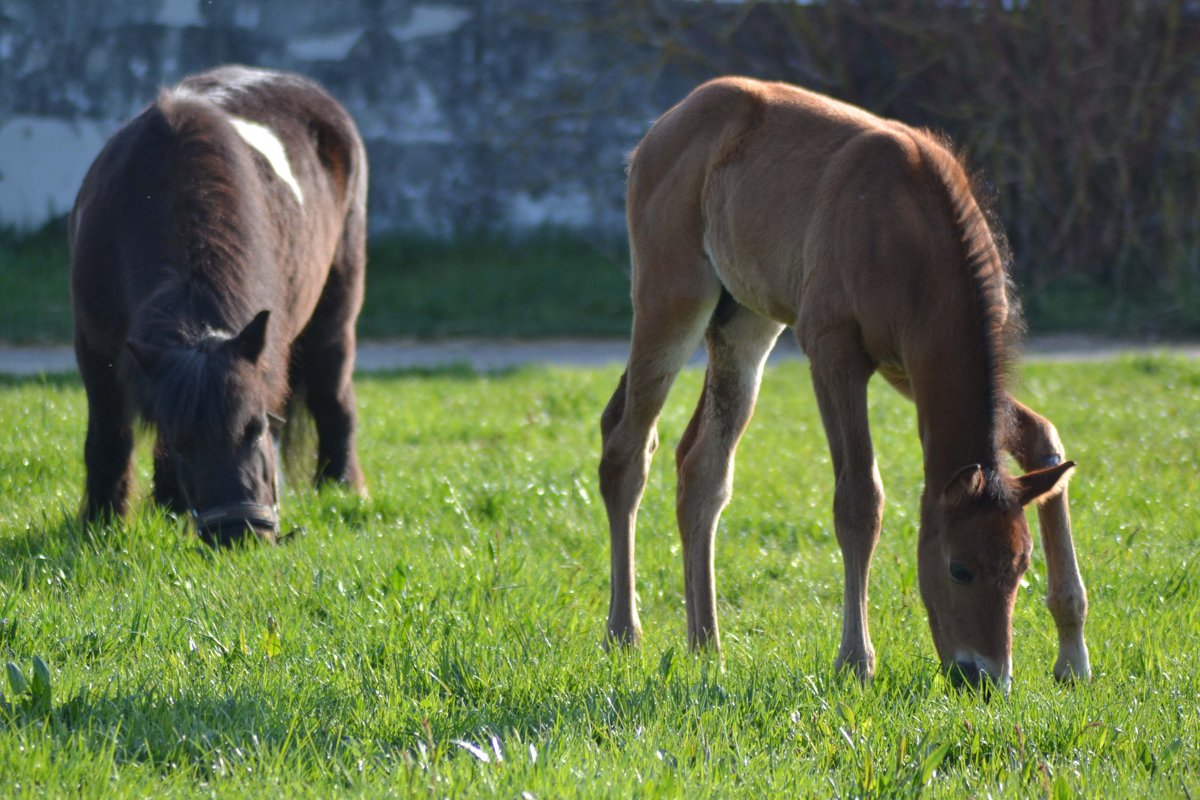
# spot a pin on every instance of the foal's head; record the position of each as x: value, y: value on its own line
x: 211, y: 405
x: 974, y: 548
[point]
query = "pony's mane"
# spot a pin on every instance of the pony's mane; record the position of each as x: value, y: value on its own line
x: 984, y: 251
x: 210, y: 292
x: 214, y: 228
x: 188, y: 396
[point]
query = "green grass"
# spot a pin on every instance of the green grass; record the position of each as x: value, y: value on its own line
x: 545, y: 284
x: 550, y: 283
x: 442, y: 638
x: 35, y: 288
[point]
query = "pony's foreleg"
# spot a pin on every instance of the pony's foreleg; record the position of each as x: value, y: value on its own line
x: 108, y: 448
x: 329, y: 393
x: 1034, y: 443
x: 166, y: 480
x: 326, y: 358
x: 738, y: 344
x: 840, y: 371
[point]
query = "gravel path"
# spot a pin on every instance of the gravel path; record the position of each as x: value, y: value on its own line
x: 490, y: 354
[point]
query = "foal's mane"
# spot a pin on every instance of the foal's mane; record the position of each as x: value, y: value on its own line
x: 984, y: 251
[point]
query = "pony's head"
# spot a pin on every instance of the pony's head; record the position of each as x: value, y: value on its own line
x: 974, y: 548
x: 211, y: 405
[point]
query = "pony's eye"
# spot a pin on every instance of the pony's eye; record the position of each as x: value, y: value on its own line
x: 960, y: 574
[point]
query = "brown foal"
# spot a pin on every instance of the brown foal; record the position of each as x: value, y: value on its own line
x: 753, y: 206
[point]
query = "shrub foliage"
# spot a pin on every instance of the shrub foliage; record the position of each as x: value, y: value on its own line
x: 1082, y: 115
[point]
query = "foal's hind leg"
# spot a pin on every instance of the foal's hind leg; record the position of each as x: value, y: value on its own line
x: 1034, y: 443
x: 666, y: 329
x: 326, y: 359
x: 738, y: 343
x: 840, y: 371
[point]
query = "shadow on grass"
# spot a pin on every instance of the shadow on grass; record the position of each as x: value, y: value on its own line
x: 205, y: 737
x: 54, y: 546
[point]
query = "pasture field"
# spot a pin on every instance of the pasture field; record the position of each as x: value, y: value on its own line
x: 443, y: 637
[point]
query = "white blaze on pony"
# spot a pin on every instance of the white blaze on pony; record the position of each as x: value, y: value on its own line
x: 262, y: 139
x: 755, y: 206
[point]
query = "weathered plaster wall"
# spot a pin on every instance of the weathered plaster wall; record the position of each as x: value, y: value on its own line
x: 508, y: 114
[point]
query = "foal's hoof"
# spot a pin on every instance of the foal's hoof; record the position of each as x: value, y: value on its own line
x: 1068, y: 674
x: 622, y: 637
x: 1073, y: 663
x: 862, y: 666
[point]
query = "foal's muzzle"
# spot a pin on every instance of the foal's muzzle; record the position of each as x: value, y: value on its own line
x: 224, y: 525
x: 966, y: 671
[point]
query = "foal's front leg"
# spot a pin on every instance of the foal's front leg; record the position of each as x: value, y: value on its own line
x: 840, y: 371
x: 1035, y: 444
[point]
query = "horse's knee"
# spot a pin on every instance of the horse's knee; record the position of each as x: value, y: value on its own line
x: 1068, y: 606
x: 858, y: 503
x: 1036, y: 442
x: 614, y: 410
x: 703, y: 482
x: 616, y: 462
x: 1048, y: 450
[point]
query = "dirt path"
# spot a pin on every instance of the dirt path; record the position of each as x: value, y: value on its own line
x: 490, y: 355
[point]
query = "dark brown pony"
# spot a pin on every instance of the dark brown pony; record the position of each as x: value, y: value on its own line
x: 217, y: 259
x: 754, y: 206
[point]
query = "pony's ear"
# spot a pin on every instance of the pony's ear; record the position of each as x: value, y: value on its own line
x: 1043, y: 484
x: 149, y: 357
x: 965, y: 487
x: 249, y: 343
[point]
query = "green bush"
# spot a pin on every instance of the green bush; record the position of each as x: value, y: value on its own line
x: 1083, y: 117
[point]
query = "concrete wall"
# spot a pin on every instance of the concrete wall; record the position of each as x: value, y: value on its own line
x: 477, y: 114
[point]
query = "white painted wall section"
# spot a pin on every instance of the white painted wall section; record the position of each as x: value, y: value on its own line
x: 42, y: 164
x: 429, y: 20
x: 179, y: 13
x: 333, y: 47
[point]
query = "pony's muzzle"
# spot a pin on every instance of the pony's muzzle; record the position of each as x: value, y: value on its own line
x: 229, y: 524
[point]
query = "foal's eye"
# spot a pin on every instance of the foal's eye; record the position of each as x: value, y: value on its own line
x: 960, y: 574
x: 255, y: 428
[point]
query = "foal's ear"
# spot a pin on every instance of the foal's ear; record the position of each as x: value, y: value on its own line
x: 149, y: 357
x: 249, y: 343
x: 1043, y: 484
x: 965, y: 487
